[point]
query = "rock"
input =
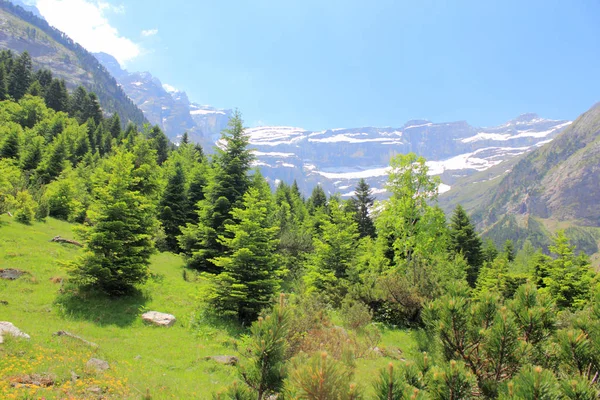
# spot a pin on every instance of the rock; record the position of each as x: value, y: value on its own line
x: 97, y: 364
x: 225, y: 360
x: 158, y: 318
x: 11, y: 274
x: 69, y: 334
x: 9, y: 328
x: 94, y: 389
x: 377, y: 351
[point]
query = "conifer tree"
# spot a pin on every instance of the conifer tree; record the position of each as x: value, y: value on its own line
x: 363, y: 202
x: 509, y: 251
x: 94, y: 110
x: 54, y: 160
x: 160, y: 143
x: 3, y: 83
x: 249, y: 276
x: 115, y: 127
x: 35, y: 89
x: 57, y: 96
x: 317, y: 200
x: 195, y: 193
x: 265, y: 351
x: 174, y: 208
x: 489, y: 251
x: 32, y: 154
x: 464, y: 240
x: 10, y: 147
x: 119, y: 240
x: 185, y: 139
x: 226, y: 187
x: 20, y: 76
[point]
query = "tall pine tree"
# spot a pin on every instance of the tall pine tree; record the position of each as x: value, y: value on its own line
x: 464, y: 240
x: 174, y: 208
x: 362, y: 202
x: 20, y: 76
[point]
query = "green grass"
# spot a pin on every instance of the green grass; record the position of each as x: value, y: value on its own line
x: 168, y: 362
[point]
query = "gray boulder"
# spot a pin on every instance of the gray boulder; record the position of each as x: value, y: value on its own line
x: 159, y: 318
x: 9, y: 328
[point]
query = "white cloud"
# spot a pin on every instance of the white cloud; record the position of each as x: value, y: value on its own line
x: 85, y: 22
x: 149, y: 32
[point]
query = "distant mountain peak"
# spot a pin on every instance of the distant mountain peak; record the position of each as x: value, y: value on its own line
x: 527, y: 117
x: 170, y: 89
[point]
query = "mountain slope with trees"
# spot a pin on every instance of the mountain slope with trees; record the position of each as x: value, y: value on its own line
x: 52, y: 49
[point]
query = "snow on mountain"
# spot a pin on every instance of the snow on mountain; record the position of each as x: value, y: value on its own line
x: 338, y: 158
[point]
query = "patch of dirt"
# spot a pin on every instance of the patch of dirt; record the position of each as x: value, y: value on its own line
x: 39, y: 380
x: 11, y: 274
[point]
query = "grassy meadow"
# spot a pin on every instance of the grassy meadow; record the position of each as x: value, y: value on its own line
x: 163, y: 362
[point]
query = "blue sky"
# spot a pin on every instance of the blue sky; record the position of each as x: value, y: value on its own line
x: 332, y: 63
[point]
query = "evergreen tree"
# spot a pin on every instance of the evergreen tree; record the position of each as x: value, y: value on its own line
x: 317, y: 200
x: 115, y: 127
x: 54, y: 161
x: 3, y: 84
x: 57, y: 97
x: 78, y: 104
x: 195, y: 192
x: 32, y: 154
x: 249, y: 276
x: 10, y: 147
x: 185, y: 139
x: 173, y: 208
x: 160, y: 143
x: 227, y: 185
x: 509, y: 251
x: 44, y: 77
x: 20, y: 76
x: 93, y: 110
x: 490, y: 252
x: 363, y: 202
x: 464, y: 240
x: 119, y: 241
x: 334, y: 253
x: 265, y: 350
x: 35, y: 89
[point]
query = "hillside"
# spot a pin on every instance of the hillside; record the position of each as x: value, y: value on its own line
x: 169, y: 363
x: 49, y: 48
x: 555, y: 186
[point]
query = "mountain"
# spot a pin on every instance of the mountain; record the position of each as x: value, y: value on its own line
x: 168, y: 107
x: 556, y: 186
x: 338, y: 158
x: 21, y: 30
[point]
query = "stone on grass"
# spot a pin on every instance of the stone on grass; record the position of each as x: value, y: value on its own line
x: 11, y: 274
x: 225, y: 360
x: 159, y: 318
x: 10, y: 329
x: 97, y: 364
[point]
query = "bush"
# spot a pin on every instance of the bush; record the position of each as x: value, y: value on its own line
x: 25, y: 207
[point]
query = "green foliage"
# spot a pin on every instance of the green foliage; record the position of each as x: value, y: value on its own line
x: 249, y: 276
x: 25, y: 207
x: 265, y: 351
x: 533, y: 383
x: 361, y: 204
x: 320, y: 378
x: 118, y: 242
x: 174, y: 208
x: 464, y: 240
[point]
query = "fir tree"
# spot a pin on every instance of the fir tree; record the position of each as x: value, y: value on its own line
x: 185, y: 139
x: 160, y: 143
x: 10, y: 147
x: 195, y: 193
x: 489, y: 251
x: 173, y: 208
x: 57, y: 97
x: 464, y: 240
x: 317, y: 200
x: 249, y: 272
x: 115, y: 127
x: 119, y: 240
x: 93, y: 110
x: 363, y: 202
x: 3, y: 85
x: 509, y: 251
x: 20, y: 76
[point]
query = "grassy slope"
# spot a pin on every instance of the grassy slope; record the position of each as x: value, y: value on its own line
x: 170, y: 363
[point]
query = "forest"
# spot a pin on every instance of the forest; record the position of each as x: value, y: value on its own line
x: 311, y: 282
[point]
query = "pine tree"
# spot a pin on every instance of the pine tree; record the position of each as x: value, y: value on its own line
x: 32, y: 154
x: 35, y: 89
x: 174, y: 208
x: 20, y: 76
x: 317, y: 200
x: 226, y: 187
x: 78, y: 104
x: 195, y: 193
x: 334, y: 253
x: 185, y: 139
x: 464, y: 240
x: 509, y: 251
x: 10, y: 147
x: 249, y: 272
x: 265, y: 350
x: 57, y: 96
x: 119, y: 241
x: 93, y: 109
x: 44, y: 77
x: 3, y: 84
x: 160, y: 143
x: 363, y: 202
x: 490, y: 252
x: 54, y: 161
x: 115, y: 127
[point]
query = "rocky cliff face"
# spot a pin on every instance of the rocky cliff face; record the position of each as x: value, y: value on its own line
x: 168, y: 107
x: 338, y: 158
